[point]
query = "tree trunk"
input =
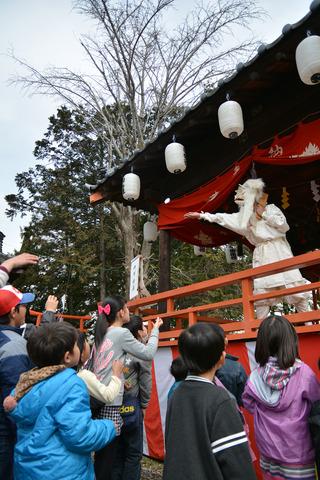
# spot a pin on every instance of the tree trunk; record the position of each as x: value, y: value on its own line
x: 146, y: 254
x: 128, y: 235
x: 102, y: 256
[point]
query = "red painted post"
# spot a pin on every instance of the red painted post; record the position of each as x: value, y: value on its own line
x: 248, y: 308
x: 170, y: 304
x: 38, y: 321
x: 192, y: 317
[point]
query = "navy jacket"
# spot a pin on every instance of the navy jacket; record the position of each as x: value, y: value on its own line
x: 14, y: 360
x: 233, y: 376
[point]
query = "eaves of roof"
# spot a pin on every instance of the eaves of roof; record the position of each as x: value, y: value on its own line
x: 264, y: 79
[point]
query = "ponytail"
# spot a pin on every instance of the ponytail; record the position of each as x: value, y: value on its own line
x: 107, y: 315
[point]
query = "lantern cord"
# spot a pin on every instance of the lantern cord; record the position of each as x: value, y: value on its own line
x: 173, y: 138
x: 228, y: 96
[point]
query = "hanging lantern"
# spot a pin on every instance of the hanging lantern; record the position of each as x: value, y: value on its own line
x: 175, y: 157
x: 150, y: 232
x: 199, y: 251
x: 308, y: 60
x: 230, y: 119
x: 131, y: 187
x: 231, y: 254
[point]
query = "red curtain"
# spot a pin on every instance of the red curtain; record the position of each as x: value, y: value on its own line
x: 300, y: 146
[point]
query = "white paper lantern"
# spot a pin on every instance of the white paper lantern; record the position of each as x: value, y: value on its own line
x: 230, y: 119
x: 308, y: 60
x: 175, y: 157
x: 131, y: 187
x: 199, y: 251
x: 150, y: 232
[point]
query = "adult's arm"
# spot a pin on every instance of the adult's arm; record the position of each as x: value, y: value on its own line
x: 227, y: 220
x: 4, y: 276
x: 22, y: 260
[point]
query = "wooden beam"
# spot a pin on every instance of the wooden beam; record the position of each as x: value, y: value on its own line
x: 96, y: 197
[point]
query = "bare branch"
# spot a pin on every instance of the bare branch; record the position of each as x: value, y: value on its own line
x: 142, y: 74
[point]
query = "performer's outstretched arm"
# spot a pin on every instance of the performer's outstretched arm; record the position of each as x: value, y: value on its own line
x: 227, y: 220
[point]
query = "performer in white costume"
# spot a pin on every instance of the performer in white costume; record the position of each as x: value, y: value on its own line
x: 265, y: 227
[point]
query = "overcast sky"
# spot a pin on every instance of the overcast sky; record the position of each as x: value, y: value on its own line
x: 46, y: 33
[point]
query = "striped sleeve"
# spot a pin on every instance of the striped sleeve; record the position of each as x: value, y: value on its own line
x: 229, y: 444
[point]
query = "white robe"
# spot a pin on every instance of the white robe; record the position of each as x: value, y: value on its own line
x: 268, y: 236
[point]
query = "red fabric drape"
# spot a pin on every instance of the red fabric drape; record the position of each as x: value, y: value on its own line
x: 300, y: 146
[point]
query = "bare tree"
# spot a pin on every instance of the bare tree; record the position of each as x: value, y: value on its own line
x: 145, y: 72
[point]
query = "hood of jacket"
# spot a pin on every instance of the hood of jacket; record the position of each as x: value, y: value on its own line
x: 276, y: 377
x: 29, y: 407
x: 271, y: 385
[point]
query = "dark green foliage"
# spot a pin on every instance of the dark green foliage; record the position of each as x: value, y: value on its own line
x: 187, y: 268
x: 64, y: 230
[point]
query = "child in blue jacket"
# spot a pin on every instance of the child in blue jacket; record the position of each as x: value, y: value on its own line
x: 55, y: 431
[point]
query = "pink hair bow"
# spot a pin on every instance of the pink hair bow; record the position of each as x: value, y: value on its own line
x: 105, y: 309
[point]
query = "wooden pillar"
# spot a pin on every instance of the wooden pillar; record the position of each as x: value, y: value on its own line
x: 240, y: 249
x: 164, y: 271
x: 164, y: 261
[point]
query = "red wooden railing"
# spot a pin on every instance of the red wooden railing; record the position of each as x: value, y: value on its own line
x: 236, y: 330
x: 77, y: 319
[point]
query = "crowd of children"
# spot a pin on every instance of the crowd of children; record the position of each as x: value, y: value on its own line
x: 68, y: 411
x: 283, y: 394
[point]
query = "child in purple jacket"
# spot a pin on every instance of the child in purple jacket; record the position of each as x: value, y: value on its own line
x: 280, y: 393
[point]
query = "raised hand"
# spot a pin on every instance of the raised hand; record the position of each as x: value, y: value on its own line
x: 22, y: 260
x: 158, y: 322
x: 51, y: 304
x: 195, y: 215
